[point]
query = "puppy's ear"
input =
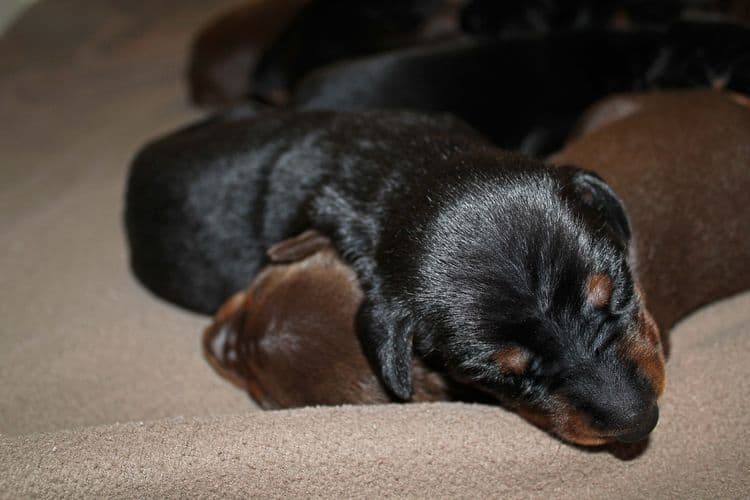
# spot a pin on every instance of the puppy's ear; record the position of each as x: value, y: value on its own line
x: 298, y: 247
x: 221, y: 338
x: 388, y: 345
x: 596, y: 194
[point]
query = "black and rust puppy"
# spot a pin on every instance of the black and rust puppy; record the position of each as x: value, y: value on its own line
x: 263, y: 48
x: 322, y: 32
x: 680, y: 161
x: 325, y: 31
x: 289, y: 338
x: 507, y: 275
x: 527, y: 92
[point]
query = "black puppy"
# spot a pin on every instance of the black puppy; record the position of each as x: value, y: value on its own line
x: 526, y: 93
x: 329, y: 30
x: 499, y: 271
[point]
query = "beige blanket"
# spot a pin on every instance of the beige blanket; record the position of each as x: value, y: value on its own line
x: 103, y: 389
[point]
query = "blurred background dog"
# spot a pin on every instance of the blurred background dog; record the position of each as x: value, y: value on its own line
x: 520, y: 72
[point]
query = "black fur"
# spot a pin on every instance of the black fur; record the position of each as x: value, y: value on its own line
x: 461, y: 248
x: 490, y: 17
x: 526, y: 92
x: 328, y: 30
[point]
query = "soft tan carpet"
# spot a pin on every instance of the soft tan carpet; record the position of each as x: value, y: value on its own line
x: 83, y: 347
x: 82, y: 85
x: 698, y: 450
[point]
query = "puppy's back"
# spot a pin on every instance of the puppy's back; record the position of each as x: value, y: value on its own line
x: 204, y: 203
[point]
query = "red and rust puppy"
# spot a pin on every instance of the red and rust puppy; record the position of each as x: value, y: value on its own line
x: 289, y: 339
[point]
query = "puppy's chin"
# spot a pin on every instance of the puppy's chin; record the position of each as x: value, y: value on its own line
x: 566, y: 423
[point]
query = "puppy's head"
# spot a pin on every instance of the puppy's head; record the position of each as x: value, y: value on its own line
x: 289, y: 339
x: 524, y: 288
x: 272, y: 339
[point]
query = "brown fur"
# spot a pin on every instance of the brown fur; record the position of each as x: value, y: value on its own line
x: 565, y: 422
x: 644, y: 348
x: 289, y: 339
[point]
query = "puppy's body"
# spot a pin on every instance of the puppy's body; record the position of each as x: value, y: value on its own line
x: 680, y: 161
x: 522, y: 92
x: 289, y: 339
x: 325, y: 31
x: 510, y: 276
x: 526, y: 93
x: 204, y: 204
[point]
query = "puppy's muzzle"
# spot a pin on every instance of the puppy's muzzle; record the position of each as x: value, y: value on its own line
x: 641, y: 425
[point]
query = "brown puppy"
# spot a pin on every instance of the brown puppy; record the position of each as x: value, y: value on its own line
x: 680, y: 161
x: 289, y: 339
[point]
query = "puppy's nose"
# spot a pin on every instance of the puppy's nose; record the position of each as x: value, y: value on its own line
x: 641, y: 426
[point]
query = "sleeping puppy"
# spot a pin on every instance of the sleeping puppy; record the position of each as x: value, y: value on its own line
x: 680, y: 161
x: 289, y: 339
x: 325, y: 31
x: 526, y: 93
x: 509, y: 276
x: 244, y: 341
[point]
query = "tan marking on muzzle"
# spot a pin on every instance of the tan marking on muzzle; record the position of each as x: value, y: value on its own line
x: 644, y: 349
x: 564, y: 421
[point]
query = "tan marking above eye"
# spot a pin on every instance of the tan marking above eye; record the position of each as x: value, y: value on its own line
x: 512, y: 360
x: 599, y: 290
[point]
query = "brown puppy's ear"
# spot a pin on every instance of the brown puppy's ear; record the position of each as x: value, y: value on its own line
x: 298, y: 247
x: 221, y: 338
